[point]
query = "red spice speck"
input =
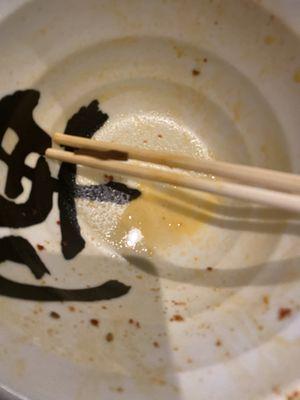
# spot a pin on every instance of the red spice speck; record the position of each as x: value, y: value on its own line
x: 94, y: 322
x: 58, y: 222
x: 195, y: 72
x: 40, y: 247
x: 284, y: 312
x: 177, y: 317
x: 54, y: 315
x: 109, y: 178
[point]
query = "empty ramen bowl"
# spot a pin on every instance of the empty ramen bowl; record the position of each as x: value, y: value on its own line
x: 116, y: 288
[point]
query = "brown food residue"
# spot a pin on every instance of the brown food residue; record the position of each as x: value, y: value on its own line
x: 177, y: 317
x: 135, y: 323
x: 40, y: 247
x: 266, y: 300
x: 269, y: 39
x: 209, y: 268
x: 109, y: 337
x: 156, y: 344
x: 276, y: 389
x: 297, y: 76
x: 218, y: 343
x: 284, y: 312
x: 72, y: 308
x: 179, y: 303
x: 54, y: 315
x: 58, y: 222
x: 294, y: 395
x: 94, y: 322
x: 195, y: 72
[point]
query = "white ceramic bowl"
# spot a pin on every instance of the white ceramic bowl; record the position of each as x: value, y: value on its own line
x: 206, y: 290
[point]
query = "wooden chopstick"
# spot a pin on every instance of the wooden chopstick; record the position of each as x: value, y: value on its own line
x: 268, y: 179
x: 267, y: 197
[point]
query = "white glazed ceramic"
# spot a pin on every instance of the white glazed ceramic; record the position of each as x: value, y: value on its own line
x: 217, y: 79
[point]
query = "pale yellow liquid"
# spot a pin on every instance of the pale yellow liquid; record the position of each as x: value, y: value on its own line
x: 160, y: 218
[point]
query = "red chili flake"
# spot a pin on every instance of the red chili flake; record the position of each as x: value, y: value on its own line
x: 58, y: 222
x: 109, y: 337
x: 209, y: 268
x: 156, y: 344
x: 284, y: 313
x: 109, y: 177
x: 177, y: 317
x: 54, y: 315
x: 94, y: 322
x: 40, y: 247
x: 195, y: 72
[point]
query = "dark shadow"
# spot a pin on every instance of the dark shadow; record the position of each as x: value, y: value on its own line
x: 283, y: 271
x: 229, y: 216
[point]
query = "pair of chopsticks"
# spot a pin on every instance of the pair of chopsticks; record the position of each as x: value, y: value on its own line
x: 252, y: 184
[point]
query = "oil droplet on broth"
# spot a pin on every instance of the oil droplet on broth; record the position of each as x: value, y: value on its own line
x: 160, y: 218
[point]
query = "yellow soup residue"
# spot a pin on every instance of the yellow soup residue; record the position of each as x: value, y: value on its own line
x: 160, y: 218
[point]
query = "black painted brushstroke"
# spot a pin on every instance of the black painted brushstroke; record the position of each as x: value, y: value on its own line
x: 109, y: 290
x: 19, y: 250
x: 84, y: 123
x: 36, y: 208
x: 16, y: 112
